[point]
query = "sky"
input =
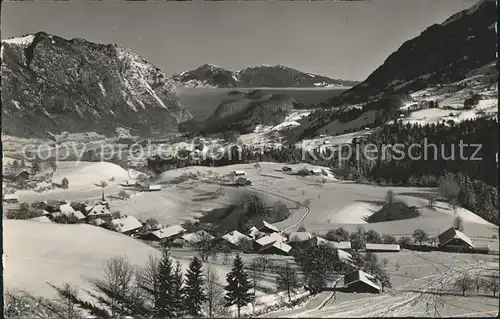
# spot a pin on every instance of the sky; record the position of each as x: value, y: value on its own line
x: 343, y: 40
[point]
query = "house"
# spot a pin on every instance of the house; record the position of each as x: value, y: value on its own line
x: 167, y: 233
x: 361, y: 282
x: 196, y: 237
x: 382, y: 247
x: 266, y: 240
x: 126, y: 225
x: 11, y: 198
x: 242, y: 181
x: 286, y: 169
x: 98, y: 211
x: 275, y: 248
x: 254, y: 233
x: 265, y: 227
x: 454, y: 238
x: 68, y: 210
x: 234, y: 238
x: 238, y: 173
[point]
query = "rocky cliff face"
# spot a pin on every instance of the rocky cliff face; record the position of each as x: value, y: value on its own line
x: 53, y: 84
x: 277, y: 76
x: 443, y: 53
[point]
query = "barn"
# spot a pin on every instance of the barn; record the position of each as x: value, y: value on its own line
x: 361, y: 282
x: 454, y: 238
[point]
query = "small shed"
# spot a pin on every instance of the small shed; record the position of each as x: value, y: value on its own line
x: 382, y: 247
x: 299, y: 237
x: 156, y: 187
x: 254, y: 233
x: 361, y: 282
x: 454, y: 238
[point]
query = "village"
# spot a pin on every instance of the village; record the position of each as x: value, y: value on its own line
x: 262, y: 238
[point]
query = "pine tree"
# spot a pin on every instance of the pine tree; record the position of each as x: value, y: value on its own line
x: 177, y: 292
x: 163, y: 302
x: 238, y: 287
x: 193, y: 291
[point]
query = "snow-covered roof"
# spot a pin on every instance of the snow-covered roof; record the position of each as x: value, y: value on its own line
x: 168, y: 231
x: 266, y: 240
x: 296, y: 237
x: 97, y: 210
x: 342, y: 244
x: 254, y: 232
x: 98, y: 221
x: 344, y: 255
x: 66, y: 209
x: 362, y: 276
x: 277, y: 244
x: 452, y: 233
x: 235, y: 237
x: 198, y: 236
x: 42, y: 219
x: 239, y: 172
x: 11, y: 197
x: 125, y: 224
x: 393, y: 247
x: 264, y: 224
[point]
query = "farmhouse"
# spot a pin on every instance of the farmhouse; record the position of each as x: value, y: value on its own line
x: 11, y: 198
x: 266, y: 240
x: 98, y: 211
x: 382, y: 247
x: 265, y: 227
x: 169, y: 233
x: 126, y: 225
x: 359, y: 281
x: 454, y: 238
x: 234, y: 238
x: 275, y: 248
x: 238, y: 172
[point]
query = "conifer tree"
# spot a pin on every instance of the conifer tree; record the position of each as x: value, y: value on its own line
x: 177, y: 292
x: 238, y: 286
x: 193, y: 291
x: 164, y: 300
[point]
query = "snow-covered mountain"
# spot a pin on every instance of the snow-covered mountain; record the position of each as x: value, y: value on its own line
x: 277, y: 76
x: 53, y: 84
x: 443, y: 53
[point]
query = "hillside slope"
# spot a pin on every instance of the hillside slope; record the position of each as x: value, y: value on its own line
x: 50, y: 83
x: 443, y: 53
x: 277, y: 76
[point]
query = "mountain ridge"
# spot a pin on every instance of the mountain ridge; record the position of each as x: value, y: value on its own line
x: 273, y: 76
x: 53, y: 84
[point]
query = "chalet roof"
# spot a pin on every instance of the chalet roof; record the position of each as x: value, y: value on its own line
x: 168, y: 231
x: 97, y: 210
x: 296, y: 237
x: 360, y: 276
x: 125, y: 224
x: 344, y: 255
x: 198, y: 236
x: 235, y: 237
x: 266, y: 240
x: 66, y: 209
x: 453, y: 233
x: 278, y: 245
x: 393, y: 247
x: 263, y: 224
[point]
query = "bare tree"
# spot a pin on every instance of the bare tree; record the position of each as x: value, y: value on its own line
x: 492, y: 284
x: 62, y: 306
x: 263, y: 262
x: 123, y: 194
x: 288, y: 280
x: 464, y: 283
x: 420, y: 236
x: 256, y: 276
x: 204, y: 246
x: 102, y: 185
x: 214, y: 305
x: 21, y: 304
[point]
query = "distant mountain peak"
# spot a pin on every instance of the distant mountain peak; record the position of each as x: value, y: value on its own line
x: 279, y: 76
x: 53, y: 84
